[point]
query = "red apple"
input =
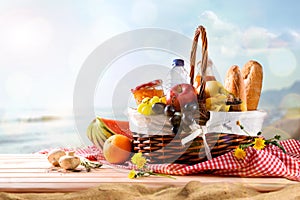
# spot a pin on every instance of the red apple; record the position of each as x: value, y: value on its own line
x: 180, y: 95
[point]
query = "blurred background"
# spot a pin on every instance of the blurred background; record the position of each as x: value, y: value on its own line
x: 43, y: 45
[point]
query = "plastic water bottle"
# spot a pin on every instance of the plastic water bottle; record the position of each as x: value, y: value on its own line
x: 177, y: 74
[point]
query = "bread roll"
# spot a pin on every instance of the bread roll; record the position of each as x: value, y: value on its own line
x: 253, y: 75
x: 234, y: 83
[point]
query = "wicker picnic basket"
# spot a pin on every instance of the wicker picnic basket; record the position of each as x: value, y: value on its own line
x: 169, y: 148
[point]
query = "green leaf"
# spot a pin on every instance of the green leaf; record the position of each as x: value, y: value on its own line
x: 278, y: 145
x: 281, y: 147
x: 277, y: 137
x: 244, y: 146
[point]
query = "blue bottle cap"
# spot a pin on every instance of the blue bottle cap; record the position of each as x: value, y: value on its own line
x: 178, y: 62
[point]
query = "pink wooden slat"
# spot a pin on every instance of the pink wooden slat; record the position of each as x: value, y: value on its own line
x: 31, y: 173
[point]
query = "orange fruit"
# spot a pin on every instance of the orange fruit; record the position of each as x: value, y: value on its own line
x: 117, y: 149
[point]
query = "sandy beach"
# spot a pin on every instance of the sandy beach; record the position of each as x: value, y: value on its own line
x: 192, y: 190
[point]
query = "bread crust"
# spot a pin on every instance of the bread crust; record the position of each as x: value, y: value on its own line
x: 252, y: 73
x: 234, y: 83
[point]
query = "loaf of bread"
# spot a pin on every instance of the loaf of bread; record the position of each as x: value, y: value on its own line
x: 234, y: 83
x: 252, y: 73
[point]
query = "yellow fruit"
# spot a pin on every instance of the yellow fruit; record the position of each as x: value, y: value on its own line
x: 146, y: 100
x: 213, y: 88
x: 217, y: 103
x: 140, y: 107
x: 163, y: 100
x: 154, y: 100
x: 147, y: 110
x: 117, y: 149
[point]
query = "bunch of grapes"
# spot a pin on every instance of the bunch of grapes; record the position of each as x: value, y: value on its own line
x: 179, y: 120
x: 145, y: 107
x: 190, y: 114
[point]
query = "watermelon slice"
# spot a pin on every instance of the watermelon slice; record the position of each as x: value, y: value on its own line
x: 116, y: 126
x: 100, y: 129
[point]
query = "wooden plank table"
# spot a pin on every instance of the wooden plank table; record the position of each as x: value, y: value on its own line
x: 32, y: 173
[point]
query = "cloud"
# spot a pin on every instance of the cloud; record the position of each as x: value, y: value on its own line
x: 257, y: 38
x: 224, y: 38
x: 219, y: 26
x: 289, y: 38
x: 252, y: 38
x: 231, y: 40
x: 231, y: 44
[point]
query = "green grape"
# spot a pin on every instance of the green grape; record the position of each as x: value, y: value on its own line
x: 163, y: 100
x: 154, y: 100
x: 146, y: 100
x: 147, y: 110
x: 140, y: 107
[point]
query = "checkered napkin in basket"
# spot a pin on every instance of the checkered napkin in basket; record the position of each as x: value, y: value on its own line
x: 269, y: 162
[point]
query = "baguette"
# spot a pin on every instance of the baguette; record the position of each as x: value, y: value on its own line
x: 253, y: 76
x: 234, y: 83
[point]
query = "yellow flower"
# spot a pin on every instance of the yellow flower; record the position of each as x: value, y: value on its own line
x: 259, y: 143
x: 135, y: 157
x: 138, y: 160
x: 141, y: 162
x: 239, y: 153
x: 143, y: 171
x: 132, y: 174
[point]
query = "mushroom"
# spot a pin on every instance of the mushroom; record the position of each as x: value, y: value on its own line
x: 69, y: 161
x: 54, y: 156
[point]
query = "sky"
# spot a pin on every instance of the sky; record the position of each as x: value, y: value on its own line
x: 43, y: 44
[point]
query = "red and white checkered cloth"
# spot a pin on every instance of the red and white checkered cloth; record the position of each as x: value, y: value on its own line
x: 269, y: 162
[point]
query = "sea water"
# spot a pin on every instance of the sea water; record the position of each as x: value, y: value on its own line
x: 32, y: 130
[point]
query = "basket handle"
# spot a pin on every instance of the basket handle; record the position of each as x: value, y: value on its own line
x: 200, y: 30
x: 204, y: 113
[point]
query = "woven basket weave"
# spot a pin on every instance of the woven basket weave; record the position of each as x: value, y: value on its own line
x: 168, y: 148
